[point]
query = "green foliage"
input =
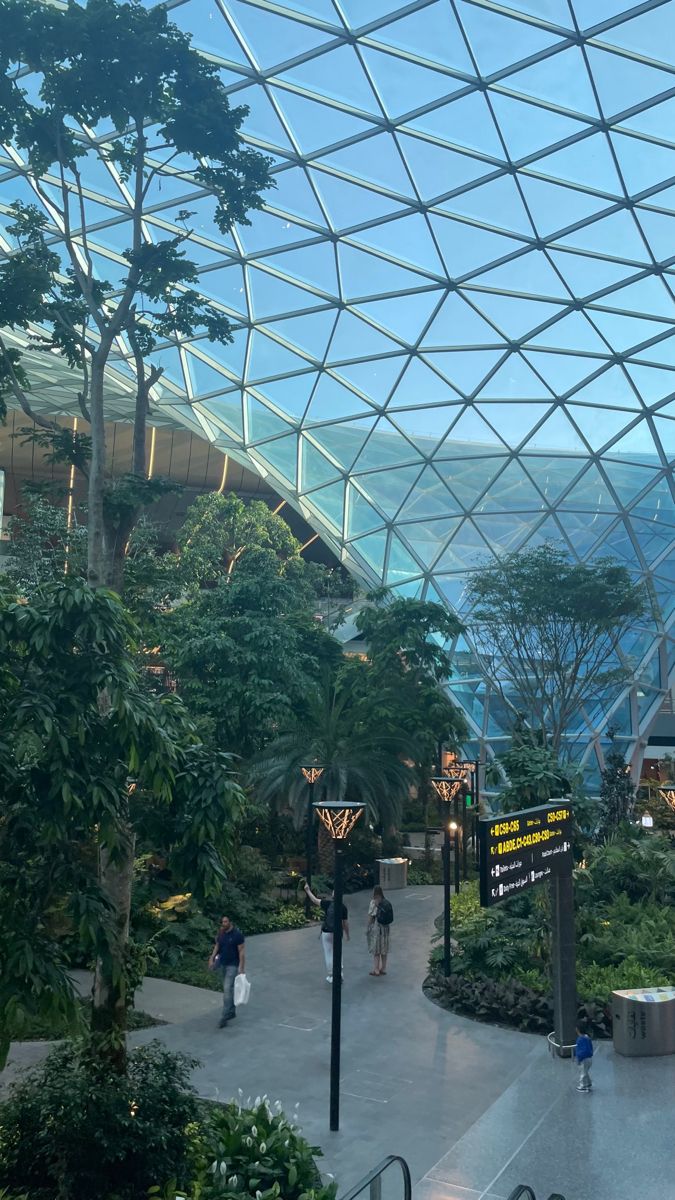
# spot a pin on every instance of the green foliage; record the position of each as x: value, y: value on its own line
x: 72, y: 1128
x: 597, y: 983
x: 617, y: 792
x: 501, y: 1002
x: 547, y: 628
x: 420, y: 876
x: 533, y: 772
x: 255, y: 1152
x: 42, y: 544
x: 219, y: 530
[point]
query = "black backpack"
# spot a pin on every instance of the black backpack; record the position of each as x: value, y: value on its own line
x: 385, y: 913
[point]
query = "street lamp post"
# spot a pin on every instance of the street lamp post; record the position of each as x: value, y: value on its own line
x: 446, y: 788
x: 312, y: 773
x: 454, y: 829
x: 339, y: 819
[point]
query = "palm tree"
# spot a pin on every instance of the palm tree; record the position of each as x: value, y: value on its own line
x: 358, y: 764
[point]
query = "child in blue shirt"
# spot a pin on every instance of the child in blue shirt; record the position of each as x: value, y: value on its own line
x: 583, y: 1054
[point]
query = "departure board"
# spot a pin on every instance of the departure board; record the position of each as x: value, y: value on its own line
x: 519, y: 850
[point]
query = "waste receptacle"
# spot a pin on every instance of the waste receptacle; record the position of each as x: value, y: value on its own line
x: 644, y: 1021
x: 393, y: 873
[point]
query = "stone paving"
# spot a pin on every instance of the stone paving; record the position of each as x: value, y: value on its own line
x: 474, y: 1109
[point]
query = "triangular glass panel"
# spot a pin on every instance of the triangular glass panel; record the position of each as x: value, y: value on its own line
x: 465, y: 121
x: 366, y: 274
x: 465, y: 368
x: 643, y: 164
x: 344, y: 440
x: 643, y: 34
x: 374, y: 377
x: 205, y: 378
x: 400, y: 564
x: 556, y: 434
x: 616, y: 235
x: 496, y: 202
x: 498, y: 41
x: 372, y: 549
x: 624, y: 333
x: 316, y: 125
x: 458, y: 324
x: 647, y: 296
x: 466, y: 247
x: 661, y: 353
x: 404, y: 86
x: 555, y: 207
x: 562, y: 372
x: 263, y: 122
x: 588, y: 162
x: 271, y: 295
x: 406, y: 238
x: 590, y: 493
x: 261, y: 422
x: 282, y: 455
x: 316, y: 469
x: 514, y: 380
x: 404, y: 316
x: 425, y: 427
x: 170, y: 361
x: 375, y: 159
x: 421, y: 386
x: 517, y: 318
x: 387, y: 489
x: 584, y: 529
x: 338, y: 75
x: 356, y: 339
x: 428, y: 498
x: 333, y: 400
x: 637, y: 444
x: 658, y: 228
x: 622, y: 82
x: 432, y: 33
x: 386, y: 447
x: 310, y: 332
x: 294, y: 195
x: 228, y: 410
x: 361, y: 517
x: 514, y: 421
x: 314, y: 265
x: 467, y: 549
x: 437, y: 169
x: 599, y: 426
x: 552, y: 475
x: 528, y: 128
x: 572, y: 332
x: 654, y: 540
x: 618, y: 544
x: 290, y: 395
x: 469, y: 435
x: 512, y: 490
x: 530, y: 273
x: 561, y: 75
x: 468, y: 479
x: 268, y: 358
x: 329, y: 503
x: 610, y: 389
x: 656, y: 121
x: 503, y: 534
x: 665, y: 432
x: 227, y: 285
x: 429, y: 537
x: 628, y: 480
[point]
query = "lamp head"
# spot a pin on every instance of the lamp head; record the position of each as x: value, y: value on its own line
x: 340, y: 817
x: 312, y: 772
x: 446, y: 787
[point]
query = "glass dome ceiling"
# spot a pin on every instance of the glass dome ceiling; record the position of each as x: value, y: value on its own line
x: 455, y: 326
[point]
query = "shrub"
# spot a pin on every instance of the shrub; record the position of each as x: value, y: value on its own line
x: 502, y: 1002
x: 596, y: 983
x: 254, y: 1152
x: 72, y: 1128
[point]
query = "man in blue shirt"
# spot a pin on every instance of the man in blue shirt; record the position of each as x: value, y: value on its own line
x: 229, y: 955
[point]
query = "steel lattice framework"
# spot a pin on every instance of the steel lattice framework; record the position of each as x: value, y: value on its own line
x: 455, y: 324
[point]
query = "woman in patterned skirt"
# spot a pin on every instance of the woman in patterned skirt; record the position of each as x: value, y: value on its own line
x: 378, y: 932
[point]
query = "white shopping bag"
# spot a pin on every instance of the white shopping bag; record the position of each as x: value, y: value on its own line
x: 242, y: 990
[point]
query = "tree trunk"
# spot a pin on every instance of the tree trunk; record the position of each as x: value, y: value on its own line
x: 97, y: 573
x: 109, y: 1011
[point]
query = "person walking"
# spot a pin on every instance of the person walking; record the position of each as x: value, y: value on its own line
x: 583, y: 1054
x: 380, y: 917
x: 327, y: 927
x: 229, y: 956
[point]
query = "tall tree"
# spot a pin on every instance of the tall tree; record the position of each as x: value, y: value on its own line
x: 617, y: 791
x: 548, y: 630
x: 219, y: 530
x: 87, y: 755
x: 115, y: 85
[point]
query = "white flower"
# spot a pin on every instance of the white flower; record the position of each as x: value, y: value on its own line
x: 234, y: 1181
x: 223, y: 1168
x: 214, y: 1167
x: 254, y: 1131
x: 263, y: 1148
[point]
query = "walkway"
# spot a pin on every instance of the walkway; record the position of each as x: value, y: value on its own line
x: 486, y: 1105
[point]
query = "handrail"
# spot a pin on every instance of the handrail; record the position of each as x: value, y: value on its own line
x: 372, y: 1180
x: 522, y: 1191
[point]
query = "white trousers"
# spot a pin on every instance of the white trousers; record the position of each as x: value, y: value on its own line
x: 327, y: 944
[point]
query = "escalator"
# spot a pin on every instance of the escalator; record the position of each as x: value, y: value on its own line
x: 390, y: 1180
x: 522, y: 1191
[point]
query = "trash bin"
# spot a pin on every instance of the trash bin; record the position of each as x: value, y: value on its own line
x: 393, y: 873
x: 644, y: 1021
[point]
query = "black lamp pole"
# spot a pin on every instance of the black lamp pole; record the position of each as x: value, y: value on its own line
x: 446, y: 900
x: 309, y: 834
x: 336, y: 1006
x: 339, y: 820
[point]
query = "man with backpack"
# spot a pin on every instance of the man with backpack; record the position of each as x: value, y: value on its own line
x: 380, y: 917
x: 327, y: 927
